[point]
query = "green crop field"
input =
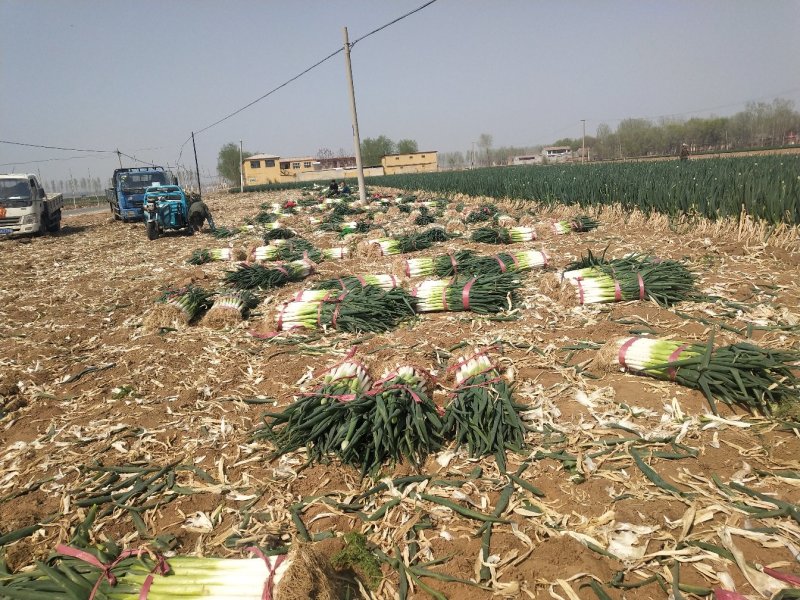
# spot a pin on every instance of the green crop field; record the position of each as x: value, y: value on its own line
x: 767, y: 187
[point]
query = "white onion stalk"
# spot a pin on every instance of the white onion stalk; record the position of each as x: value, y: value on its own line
x: 213, y: 578
x: 474, y: 365
x: 642, y: 354
x: 387, y: 245
x: 262, y: 253
x: 300, y: 268
x: 562, y: 227
x: 586, y: 272
x: 312, y: 295
x: 529, y: 259
x: 383, y: 281
x: 233, y: 301
x: 431, y: 295
x: 299, y: 315
x: 418, y: 267
x: 221, y: 254
x: 598, y: 289
x: 336, y: 253
x: 522, y: 234
x: 349, y: 374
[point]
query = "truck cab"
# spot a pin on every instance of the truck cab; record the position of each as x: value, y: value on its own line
x: 25, y: 208
x: 126, y: 196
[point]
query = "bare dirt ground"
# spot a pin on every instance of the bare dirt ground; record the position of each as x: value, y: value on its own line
x: 85, y: 388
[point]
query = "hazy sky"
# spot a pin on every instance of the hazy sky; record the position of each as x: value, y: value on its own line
x: 142, y: 75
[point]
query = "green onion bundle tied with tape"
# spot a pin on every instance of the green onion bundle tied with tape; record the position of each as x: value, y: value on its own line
x: 256, y: 276
x: 387, y: 246
x: 467, y: 262
x: 482, y: 294
x: 386, y: 282
x: 319, y: 420
x: 400, y: 421
x: 503, y: 235
x: 264, y: 253
x: 579, y: 224
x: 667, y: 282
x: 367, y: 308
x: 229, y: 308
x: 177, y: 307
x: 277, y: 233
x: 204, y: 255
x: 77, y: 573
x: 482, y: 413
x: 336, y: 253
x: 744, y: 374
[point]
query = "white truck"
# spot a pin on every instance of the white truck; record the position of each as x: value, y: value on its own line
x: 25, y: 208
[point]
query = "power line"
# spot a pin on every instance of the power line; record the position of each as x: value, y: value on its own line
x: 390, y: 23
x: 44, y: 160
x: 54, y: 147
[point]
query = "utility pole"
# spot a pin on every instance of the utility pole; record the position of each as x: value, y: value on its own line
x: 472, y: 157
x: 362, y: 190
x: 197, y: 167
x: 119, y: 156
x: 241, y: 169
x: 583, y: 153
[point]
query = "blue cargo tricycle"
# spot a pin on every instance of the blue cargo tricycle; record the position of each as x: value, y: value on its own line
x: 165, y: 207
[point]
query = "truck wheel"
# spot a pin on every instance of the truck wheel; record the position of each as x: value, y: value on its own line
x: 55, y: 223
x: 152, y: 230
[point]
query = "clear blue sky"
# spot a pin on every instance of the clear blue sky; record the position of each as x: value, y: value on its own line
x: 141, y: 75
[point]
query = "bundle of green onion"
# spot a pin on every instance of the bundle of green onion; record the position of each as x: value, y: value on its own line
x: 178, y: 306
x: 482, y: 294
x: 666, y: 282
x: 410, y: 242
x: 502, y: 235
x: 256, y: 276
x: 265, y: 216
x: 743, y: 374
x: 354, y: 227
x: 277, y: 233
x: 318, y: 420
x: 580, y: 223
x: 386, y: 282
x: 91, y: 573
x: 467, y: 262
x: 483, y: 414
x: 397, y: 420
x: 296, y: 248
x: 336, y: 253
x: 262, y: 253
x: 223, y: 232
x: 229, y: 308
x: 204, y: 255
x: 367, y: 308
x: 484, y: 212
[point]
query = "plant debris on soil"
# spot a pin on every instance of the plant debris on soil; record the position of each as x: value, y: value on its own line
x: 626, y: 486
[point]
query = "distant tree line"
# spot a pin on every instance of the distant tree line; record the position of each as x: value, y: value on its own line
x: 759, y: 125
x: 77, y: 186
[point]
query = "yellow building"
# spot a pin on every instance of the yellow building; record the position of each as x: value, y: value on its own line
x: 270, y: 168
x: 417, y: 162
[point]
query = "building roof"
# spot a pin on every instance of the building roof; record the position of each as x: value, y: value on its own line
x: 297, y: 158
x: 413, y: 153
x: 557, y: 148
x: 261, y: 156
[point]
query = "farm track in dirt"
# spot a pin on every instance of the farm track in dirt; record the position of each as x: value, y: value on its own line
x: 85, y: 386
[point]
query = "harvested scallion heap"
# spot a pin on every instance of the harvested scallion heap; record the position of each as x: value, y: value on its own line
x: 482, y: 294
x: 579, y: 224
x: 483, y: 414
x: 744, y: 374
x: 485, y: 212
x: 223, y: 232
x: 278, y: 233
x: 203, y: 255
x: 397, y: 421
x: 503, y: 235
x: 665, y: 281
x: 179, y: 306
x: 229, y: 308
x: 468, y: 262
x: 411, y: 242
x: 367, y: 308
x: 263, y: 253
x: 386, y: 282
x: 318, y: 420
x: 65, y: 577
x: 256, y: 276
x: 336, y: 253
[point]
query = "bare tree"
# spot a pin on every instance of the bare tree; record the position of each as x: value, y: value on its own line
x: 485, y: 144
x: 324, y: 153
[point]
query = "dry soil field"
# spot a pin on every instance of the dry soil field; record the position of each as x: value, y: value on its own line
x: 85, y: 388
